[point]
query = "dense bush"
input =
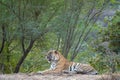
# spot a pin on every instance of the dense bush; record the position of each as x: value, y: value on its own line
x: 108, y: 47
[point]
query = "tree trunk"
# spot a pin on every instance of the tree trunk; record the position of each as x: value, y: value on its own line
x: 17, y: 68
x: 3, y: 38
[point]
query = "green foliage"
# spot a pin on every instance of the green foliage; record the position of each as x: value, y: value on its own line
x: 24, y: 18
x: 99, y: 63
x: 108, y: 47
x: 35, y: 61
x: 53, y: 24
x: 114, y: 33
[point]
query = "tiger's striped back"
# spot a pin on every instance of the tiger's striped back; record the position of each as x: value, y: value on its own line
x: 81, y: 68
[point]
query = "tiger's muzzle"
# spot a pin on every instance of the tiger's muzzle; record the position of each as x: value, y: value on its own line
x: 49, y: 57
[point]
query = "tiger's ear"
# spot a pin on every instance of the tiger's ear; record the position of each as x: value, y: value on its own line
x: 56, y: 52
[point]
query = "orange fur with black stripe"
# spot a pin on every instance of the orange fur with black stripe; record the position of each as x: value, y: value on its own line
x: 59, y: 64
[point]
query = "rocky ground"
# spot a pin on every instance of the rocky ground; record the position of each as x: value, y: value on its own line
x: 47, y: 77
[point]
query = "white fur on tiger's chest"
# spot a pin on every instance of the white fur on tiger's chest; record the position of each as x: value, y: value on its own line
x: 53, y: 66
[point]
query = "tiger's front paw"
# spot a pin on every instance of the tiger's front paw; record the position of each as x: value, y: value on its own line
x: 40, y: 72
x: 36, y: 73
x: 32, y: 73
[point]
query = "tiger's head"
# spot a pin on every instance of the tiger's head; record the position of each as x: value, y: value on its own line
x: 52, y: 56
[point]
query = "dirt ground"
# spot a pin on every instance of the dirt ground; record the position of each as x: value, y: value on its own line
x: 48, y: 77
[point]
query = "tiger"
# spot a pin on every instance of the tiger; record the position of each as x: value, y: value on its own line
x: 59, y: 64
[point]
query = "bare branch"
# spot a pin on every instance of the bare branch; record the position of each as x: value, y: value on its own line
x: 87, y: 22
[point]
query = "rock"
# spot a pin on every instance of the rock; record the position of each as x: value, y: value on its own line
x: 47, y: 77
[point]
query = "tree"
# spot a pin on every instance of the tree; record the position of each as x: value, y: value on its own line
x: 109, y: 45
x: 114, y: 41
x: 114, y: 32
x: 28, y: 22
x: 77, y: 21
